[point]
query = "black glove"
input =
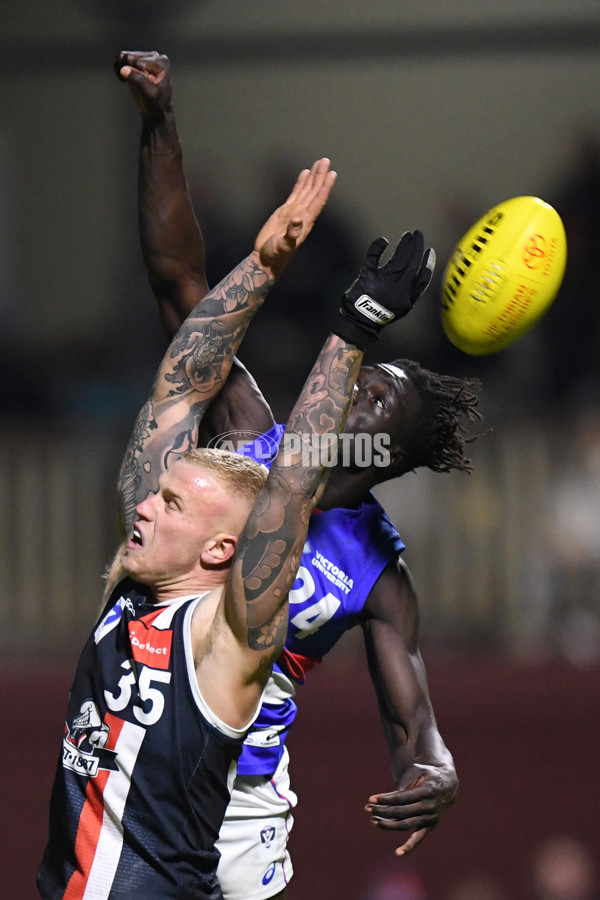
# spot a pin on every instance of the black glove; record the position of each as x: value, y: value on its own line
x: 381, y: 295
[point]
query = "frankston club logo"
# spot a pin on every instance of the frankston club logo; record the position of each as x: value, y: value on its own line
x: 84, y: 743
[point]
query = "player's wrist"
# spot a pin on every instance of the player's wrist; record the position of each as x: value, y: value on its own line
x: 159, y: 118
x: 361, y: 319
x: 354, y: 333
x: 257, y: 262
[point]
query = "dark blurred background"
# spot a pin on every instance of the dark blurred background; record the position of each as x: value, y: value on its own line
x: 432, y: 113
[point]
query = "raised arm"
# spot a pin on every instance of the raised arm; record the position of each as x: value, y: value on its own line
x: 422, y: 765
x: 270, y: 546
x: 268, y: 553
x: 201, y: 354
x: 171, y: 238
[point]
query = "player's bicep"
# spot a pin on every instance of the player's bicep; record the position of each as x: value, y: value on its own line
x: 189, y: 377
x: 265, y: 566
x: 392, y: 607
x: 240, y: 410
x: 160, y: 434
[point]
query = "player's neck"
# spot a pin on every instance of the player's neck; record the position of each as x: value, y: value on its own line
x: 346, y: 490
x: 188, y: 585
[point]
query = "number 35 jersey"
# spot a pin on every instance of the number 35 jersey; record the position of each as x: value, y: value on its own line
x: 344, y: 555
x: 146, y: 768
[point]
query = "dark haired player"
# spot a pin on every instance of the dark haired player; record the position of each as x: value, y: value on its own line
x: 350, y: 573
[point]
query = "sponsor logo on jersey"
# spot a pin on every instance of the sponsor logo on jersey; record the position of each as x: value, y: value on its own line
x: 150, y: 646
x: 332, y: 572
x: 84, y: 743
x: 267, y: 835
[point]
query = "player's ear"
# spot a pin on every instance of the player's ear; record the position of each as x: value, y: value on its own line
x: 398, y: 461
x: 219, y: 550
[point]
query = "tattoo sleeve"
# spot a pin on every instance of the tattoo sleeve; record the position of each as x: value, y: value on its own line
x: 271, y: 544
x: 190, y: 376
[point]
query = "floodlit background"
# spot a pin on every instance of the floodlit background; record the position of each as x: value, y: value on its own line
x: 431, y: 113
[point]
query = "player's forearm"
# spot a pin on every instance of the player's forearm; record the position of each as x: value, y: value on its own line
x: 171, y: 239
x: 319, y: 415
x: 201, y: 354
x: 191, y: 374
x: 410, y: 724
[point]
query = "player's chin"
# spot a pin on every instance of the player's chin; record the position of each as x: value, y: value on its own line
x: 131, y: 562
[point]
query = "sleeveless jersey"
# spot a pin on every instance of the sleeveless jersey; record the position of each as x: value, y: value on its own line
x: 146, y: 769
x: 344, y: 555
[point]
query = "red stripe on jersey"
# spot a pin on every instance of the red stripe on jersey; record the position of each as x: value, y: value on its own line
x: 296, y: 665
x: 90, y: 820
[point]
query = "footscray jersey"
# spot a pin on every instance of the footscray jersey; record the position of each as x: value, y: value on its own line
x: 146, y: 768
x: 344, y: 555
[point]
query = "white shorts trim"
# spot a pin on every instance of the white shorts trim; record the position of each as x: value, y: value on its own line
x: 255, y: 862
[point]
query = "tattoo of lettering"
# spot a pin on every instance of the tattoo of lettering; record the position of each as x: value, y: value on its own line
x: 276, y: 530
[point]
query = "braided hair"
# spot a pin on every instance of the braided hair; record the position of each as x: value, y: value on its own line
x: 437, y: 437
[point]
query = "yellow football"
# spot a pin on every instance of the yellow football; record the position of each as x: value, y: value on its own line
x: 503, y: 275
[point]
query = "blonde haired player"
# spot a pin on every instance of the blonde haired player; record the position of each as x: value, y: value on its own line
x: 173, y: 672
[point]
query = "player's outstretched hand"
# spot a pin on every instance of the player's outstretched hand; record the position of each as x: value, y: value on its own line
x: 418, y: 807
x: 383, y: 294
x: 289, y: 226
x: 148, y: 75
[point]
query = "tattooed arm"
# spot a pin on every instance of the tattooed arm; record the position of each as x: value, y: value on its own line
x: 201, y: 353
x: 269, y: 548
x: 192, y: 371
x: 197, y: 362
x: 255, y: 600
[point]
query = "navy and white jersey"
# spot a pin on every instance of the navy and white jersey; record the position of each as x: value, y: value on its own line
x: 345, y: 553
x: 146, y: 768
